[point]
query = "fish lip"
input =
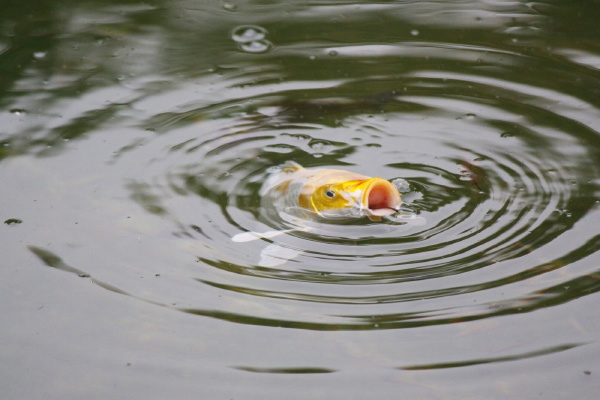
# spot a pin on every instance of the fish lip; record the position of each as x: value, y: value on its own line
x: 380, y: 197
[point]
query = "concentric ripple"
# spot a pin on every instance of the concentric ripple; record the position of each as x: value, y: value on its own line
x: 500, y: 176
x: 498, y: 146
x: 136, y: 137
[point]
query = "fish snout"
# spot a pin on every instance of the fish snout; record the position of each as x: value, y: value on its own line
x: 380, y: 198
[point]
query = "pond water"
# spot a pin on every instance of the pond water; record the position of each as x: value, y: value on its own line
x: 135, y: 139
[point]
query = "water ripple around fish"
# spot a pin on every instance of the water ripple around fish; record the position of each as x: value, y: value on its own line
x: 500, y: 179
x: 135, y: 140
x: 498, y: 146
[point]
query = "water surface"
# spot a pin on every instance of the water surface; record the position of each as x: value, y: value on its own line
x: 135, y: 140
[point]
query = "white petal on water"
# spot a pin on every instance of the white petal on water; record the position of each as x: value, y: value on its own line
x: 246, y: 237
x: 274, y: 255
x: 271, y: 234
x: 250, y: 236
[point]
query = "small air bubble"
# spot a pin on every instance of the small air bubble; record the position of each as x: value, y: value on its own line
x: 230, y: 6
x: 415, y: 32
x: 312, y: 58
x: 38, y: 55
x: 17, y: 111
x: 506, y: 134
x: 402, y: 185
x: 333, y: 53
x: 248, y: 33
x: 258, y: 46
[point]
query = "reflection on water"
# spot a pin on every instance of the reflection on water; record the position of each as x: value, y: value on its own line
x: 137, y: 136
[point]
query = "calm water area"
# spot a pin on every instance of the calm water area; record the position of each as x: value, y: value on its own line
x: 134, y: 140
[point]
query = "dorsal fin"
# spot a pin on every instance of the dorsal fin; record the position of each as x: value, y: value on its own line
x: 290, y: 166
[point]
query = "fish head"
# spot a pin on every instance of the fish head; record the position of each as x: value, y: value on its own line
x: 373, y: 197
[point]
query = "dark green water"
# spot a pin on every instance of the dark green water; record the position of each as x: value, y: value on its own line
x: 135, y: 137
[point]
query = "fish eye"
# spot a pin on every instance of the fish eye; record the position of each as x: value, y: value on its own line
x: 330, y: 193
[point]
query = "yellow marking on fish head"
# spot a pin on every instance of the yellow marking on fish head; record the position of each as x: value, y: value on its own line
x: 374, y: 197
x: 331, y: 196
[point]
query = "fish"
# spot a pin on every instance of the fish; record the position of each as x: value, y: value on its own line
x: 310, y: 195
x: 329, y: 193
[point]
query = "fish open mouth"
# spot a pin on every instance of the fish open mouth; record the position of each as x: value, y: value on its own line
x: 380, y: 198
